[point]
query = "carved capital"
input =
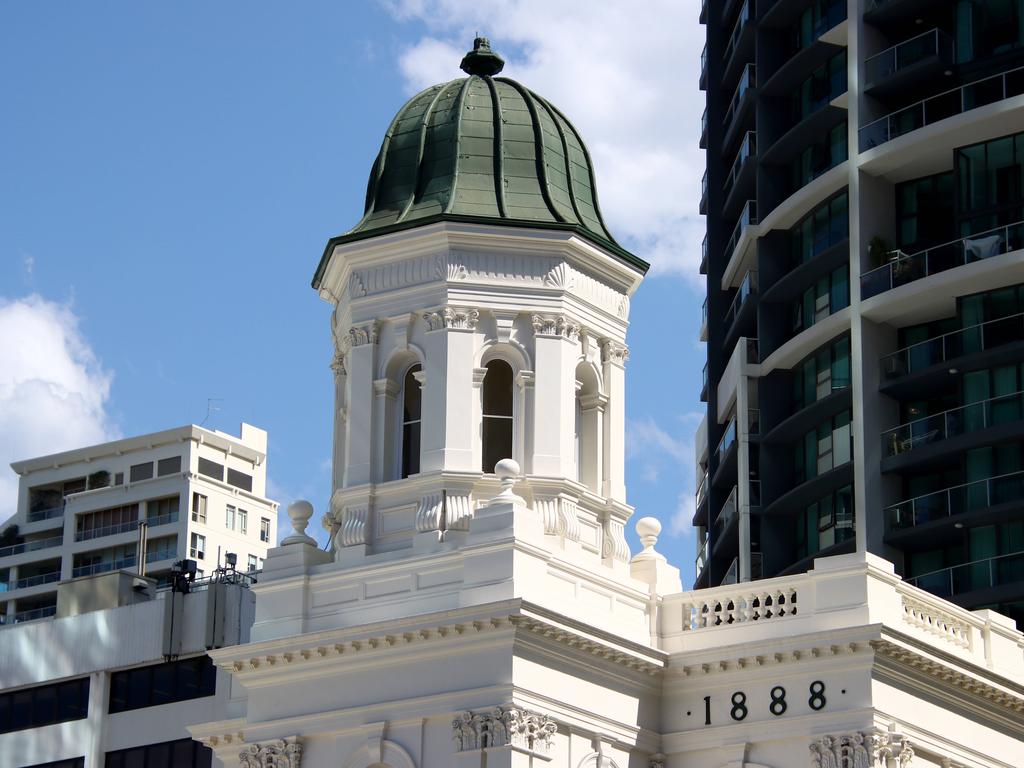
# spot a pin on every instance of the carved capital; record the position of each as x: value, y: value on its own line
x: 556, y: 326
x: 503, y: 726
x: 861, y: 750
x: 613, y: 352
x: 385, y: 387
x: 283, y: 753
x: 358, y: 335
x: 338, y: 364
x: 452, y: 318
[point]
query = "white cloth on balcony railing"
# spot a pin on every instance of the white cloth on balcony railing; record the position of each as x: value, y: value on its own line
x: 983, y: 247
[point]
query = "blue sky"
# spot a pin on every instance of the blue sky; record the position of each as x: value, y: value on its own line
x: 170, y: 172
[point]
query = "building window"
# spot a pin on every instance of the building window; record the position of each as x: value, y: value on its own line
x: 823, y: 449
x: 197, y: 549
x: 412, y: 403
x: 990, y: 183
x: 825, y: 226
x: 825, y: 523
x: 264, y: 529
x: 198, y: 508
x: 44, y: 705
x: 243, y: 521
x: 239, y: 479
x: 826, y: 297
x: 162, y: 511
x: 164, y: 548
x: 824, y: 372
x: 141, y: 472
x: 497, y: 414
x: 157, y: 684
x: 820, y: 157
x: 168, y: 466
x: 211, y: 469
x: 106, y: 522
x: 924, y: 212
x: 229, y: 517
x: 825, y: 83
x: 183, y: 753
x: 252, y: 563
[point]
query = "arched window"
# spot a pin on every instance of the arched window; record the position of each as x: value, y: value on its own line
x: 412, y: 407
x: 497, y: 413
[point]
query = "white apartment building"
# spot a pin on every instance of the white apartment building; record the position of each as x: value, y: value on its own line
x: 201, y: 494
x: 116, y: 678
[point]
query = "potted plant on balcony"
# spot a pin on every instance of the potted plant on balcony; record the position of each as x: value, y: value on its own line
x: 879, y: 250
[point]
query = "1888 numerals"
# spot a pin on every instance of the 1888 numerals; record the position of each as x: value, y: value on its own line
x: 777, y: 706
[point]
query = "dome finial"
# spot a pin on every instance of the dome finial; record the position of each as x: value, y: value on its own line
x: 482, y: 61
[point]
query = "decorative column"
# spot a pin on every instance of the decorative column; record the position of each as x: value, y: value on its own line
x: 556, y: 340
x: 592, y: 413
x: 613, y: 360
x: 359, y: 435
x: 384, y: 393
x: 525, y: 392
x: 341, y: 347
x: 448, y: 429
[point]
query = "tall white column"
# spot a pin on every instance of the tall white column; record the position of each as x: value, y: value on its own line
x: 384, y: 393
x: 340, y: 418
x: 98, y: 686
x: 613, y: 360
x: 556, y: 348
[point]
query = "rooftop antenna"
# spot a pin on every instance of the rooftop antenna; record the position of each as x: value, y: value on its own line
x: 211, y: 408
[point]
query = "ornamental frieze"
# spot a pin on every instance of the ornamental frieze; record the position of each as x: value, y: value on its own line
x: 861, y: 750
x: 283, y: 753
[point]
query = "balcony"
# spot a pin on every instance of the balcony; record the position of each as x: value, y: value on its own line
x: 908, y: 64
x: 747, y: 150
x: 741, y: 41
x: 704, y: 255
x: 704, y: 384
x: 903, y: 268
x: 703, y: 207
x: 704, y: 129
x: 130, y: 525
x: 36, y: 613
x: 988, y: 90
x: 704, y: 320
x: 104, y: 566
x: 740, y: 101
x: 31, y: 546
x: 948, y: 347
x: 726, y: 517
x: 748, y: 217
x: 702, y: 489
x: 954, y: 501
x: 747, y: 288
x: 974, y: 417
x: 703, y: 19
x: 756, y: 568
x: 35, y: 581
x: 702, y: 558
x: 35, y: 515
x: 704, y: 68
x: 886, y: 11
x: 969, y: 577
x: 727, y: 441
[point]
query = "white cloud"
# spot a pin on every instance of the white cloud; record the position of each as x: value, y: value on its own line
x: 625, y: 73
x: 53, y: 389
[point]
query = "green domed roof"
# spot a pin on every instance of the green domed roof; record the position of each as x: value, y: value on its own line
x: 482, y: 148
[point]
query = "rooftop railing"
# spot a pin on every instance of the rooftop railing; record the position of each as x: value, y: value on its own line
x: 956, y: 500
x: 978, y: 574
x: 31, y: 546
x: 956, y: 421
x: 988, y: 90
x: 903, y: 268
x: 882, y: 65
x: 949, y: 346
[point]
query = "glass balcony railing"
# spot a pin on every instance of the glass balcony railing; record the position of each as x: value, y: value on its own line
x: 31, y: 546
x: 949, y: 346
x: 737, y: 32
x: 979, y: 574
x: 35, y: 515
x: 171, y: 517
x: 931, y: 110
x: 702, y: 557
x: 748, y: 149
x: 34, y: 581
x: 747, y: 288
x: 104, y: 566
x: 130, y: 525
x: 704, y: 193
x: 704, y: 68
x: 161, y: 554
x: 958, y: 500
x: 704, y: 383
x: 35, y: 613
x: 748, y: 81
x: 931, y: 44
x: 727, y: 514
x: 704, y: 255
x: 903, y: 268
x: 956, y: 421
x: 704, y: 129
x: 704, y: 316
x: 732, y: 575
x: 728, y: 438
x: 702, y: 489
x: 748, y: 217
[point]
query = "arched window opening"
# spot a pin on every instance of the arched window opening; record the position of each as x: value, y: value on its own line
x: 497, y: 414
x: 589, y: 428
x: 412, y: 408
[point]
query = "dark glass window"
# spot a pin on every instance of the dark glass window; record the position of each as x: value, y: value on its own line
x: 412, y: 407
x: 158, y: 684
x: 497, y: 414
x: 239, y: 479
x: 211, y: 469
x: 820, y: 157
x: 183, y: 753
x: 169, y: 466
x: 825, y: 523
x: 825, y: 226
x: 141, y: 472
x: 924, y: 212
x: 44, y: 705
x: 990, y: 184
x: 71, y: 762
x: 824, y: 372
x: 826, y: 83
